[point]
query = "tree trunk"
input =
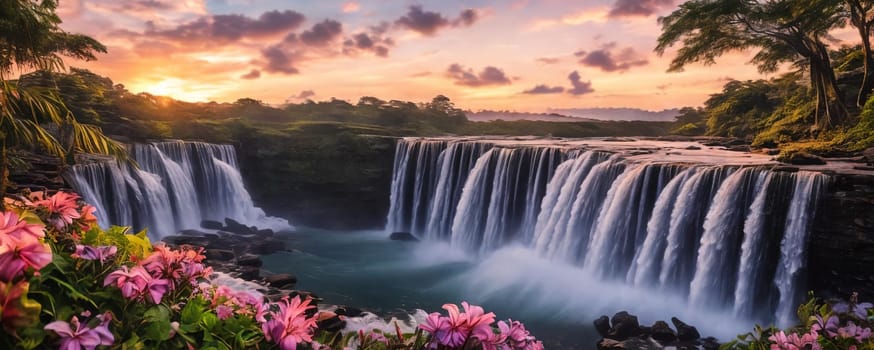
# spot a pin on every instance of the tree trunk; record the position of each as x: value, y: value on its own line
x: 829, y: 95
x: 867, y: 79
x: 4, y: 173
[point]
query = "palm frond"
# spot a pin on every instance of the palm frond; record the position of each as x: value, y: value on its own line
x: 90, y: 139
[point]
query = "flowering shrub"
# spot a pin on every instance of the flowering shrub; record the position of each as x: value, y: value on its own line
x: 58, y: 268
x: 835, y: 326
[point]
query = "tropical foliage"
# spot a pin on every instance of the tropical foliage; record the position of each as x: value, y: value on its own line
x: 33, y: 116
x: 64, y: 281
x: 824, y: 326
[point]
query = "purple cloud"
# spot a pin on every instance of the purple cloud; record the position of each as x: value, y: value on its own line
x: 630, y: 8
x: 429, y: 22
x: 278, y: 61
x: 322, y: 33
x: 608, y: 59
x: 488, y: 76
x: 253, y: 74
x: 230, y: 28
x: 579, y: 87
x: 544, y: 89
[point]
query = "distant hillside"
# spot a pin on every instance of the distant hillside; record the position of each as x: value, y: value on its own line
x: 619, y: 113
x: 487, y: 116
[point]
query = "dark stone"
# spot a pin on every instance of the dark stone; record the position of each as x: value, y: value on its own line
x: 693, y: 148
x: 250, y: 273
x: 785, y: 169
x: 663, y: 333
x: 195, y: 233
x: 602, y: 325
x: 249, y: 260
x: 869, y: 155
x: 212, y: 225
x: 348, y: 311
x: 710, y: 343
x: 629, y: 344
x: 333, y: 324
x: 685, y: 332
x: 281, y: 280
x: 738, y: 148
x: 267, y: 246
x: 189, y: 240
x: 219, y: 254
x: 624, y: 326
x: 402, y: 236
x: 265, y: 232
x: 233, y: 226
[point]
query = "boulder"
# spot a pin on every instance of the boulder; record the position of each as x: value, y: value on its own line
x: 403, y: 236
x: 624, y: 326
x: 710, y: 343
x: 249, y: 260
x: 211, y: 225
x: 281, y: 280
x: 351, y: 311
x: 602, y: 325
x: 663, y: 333
x: 250, y: 273
x: 693, y: 148
x: 630, y: 344
x: 234, y: 226
x: 265, y: 232
x: 685, y: 332
x: 869, y: 155
x: 219, y: 254
x: 333, y: 324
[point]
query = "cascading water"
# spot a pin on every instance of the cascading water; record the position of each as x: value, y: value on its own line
x: 174, y: 186
x: 724, y: 237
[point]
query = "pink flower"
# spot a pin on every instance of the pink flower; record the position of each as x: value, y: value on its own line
x: 14, y: 310
x: 87, y: 252
x: 782, y: 341
x: 438, y: 326
x: 11, y: 225
x: 156, y: 288
x: 224, y: 312
x: 290, y: 325
x: 132, y: 282
x: 80, y: 336
x: 63, y: 208
x: 20, y: 254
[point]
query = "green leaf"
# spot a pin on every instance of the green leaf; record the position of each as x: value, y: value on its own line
x: 156, y: 322
x: 73, y: 292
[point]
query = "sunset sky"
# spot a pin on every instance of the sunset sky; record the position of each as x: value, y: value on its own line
x: 502, y: 55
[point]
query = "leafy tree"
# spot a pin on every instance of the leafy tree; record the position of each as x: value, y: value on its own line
x: 31, y: 39
x: 783, y: 31
x: 861, y: 16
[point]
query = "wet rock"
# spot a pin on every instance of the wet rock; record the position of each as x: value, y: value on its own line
x: 624, y: 326
x: 630, y: 344
x: 281, y: 280
x: 602, y: 325
x: 785, y: 169
x: 234, y: 226
x: 211, y: 225
x: 267, y: 246
x: 250, y: 273
x: 402, y: 236
x: 869, y: 155
x: 663, y: 333
x: 186, y: 240
x: 710, y: 343
x: 354, y: 312
x: 693, y: 148
x: 333, y: 324
x: 249, y: 260
x: 265, y: 232
x: 738, y: 148
x: 685, y: 332
x: 219, y: 254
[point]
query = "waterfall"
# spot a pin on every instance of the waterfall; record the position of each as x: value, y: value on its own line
x: 173, y: 186
x: 723, y: 237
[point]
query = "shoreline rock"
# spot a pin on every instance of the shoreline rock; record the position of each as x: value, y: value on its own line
x: 623, y: 331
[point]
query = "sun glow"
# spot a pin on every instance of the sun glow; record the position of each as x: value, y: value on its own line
x: 176, y: 88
